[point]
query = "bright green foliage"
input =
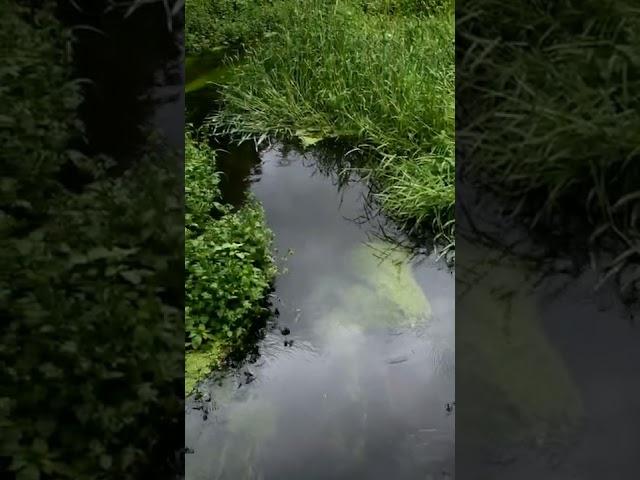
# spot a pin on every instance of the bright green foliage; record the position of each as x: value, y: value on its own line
x: 90, y: 362
x: 227, y: 257
x: 212, y: 24
x: 383, y: 83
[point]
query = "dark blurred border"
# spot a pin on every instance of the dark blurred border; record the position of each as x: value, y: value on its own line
x: 547, y: 239
x: 92, y: 282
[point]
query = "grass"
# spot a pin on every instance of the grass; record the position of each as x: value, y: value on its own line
x: 371, y: 74
x: 228, y: 266
x: 552, y: 119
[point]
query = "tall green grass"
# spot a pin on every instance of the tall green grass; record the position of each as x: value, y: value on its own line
x: 211, y: 24
x: 556, y: 112
x: 383, y: 83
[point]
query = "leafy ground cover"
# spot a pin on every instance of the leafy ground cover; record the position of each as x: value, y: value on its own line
x: 228, y: 265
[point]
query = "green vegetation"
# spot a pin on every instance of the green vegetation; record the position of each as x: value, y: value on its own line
x: 90, y: 364
x: 375, y: 75
x: 228, y: 265
x: 569, y: 89
x: 219, y: 24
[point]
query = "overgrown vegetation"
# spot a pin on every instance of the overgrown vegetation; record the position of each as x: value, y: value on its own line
x: 228, y: 262
x: 552, y: 119
x: 235, y: 24
x: 378, y: 75
x: 90, y: 363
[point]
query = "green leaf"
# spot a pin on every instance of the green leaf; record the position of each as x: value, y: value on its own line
x: 132, y: 276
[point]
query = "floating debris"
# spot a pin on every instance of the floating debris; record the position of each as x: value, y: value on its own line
x: 399, y: 359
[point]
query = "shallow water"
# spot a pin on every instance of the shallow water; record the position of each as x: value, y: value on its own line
x: 362, y: 391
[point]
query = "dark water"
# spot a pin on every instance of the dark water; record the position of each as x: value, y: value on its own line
x: 547, y: 368
x: 361, y: 393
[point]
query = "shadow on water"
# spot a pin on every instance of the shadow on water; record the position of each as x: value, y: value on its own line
x: 360, y: 392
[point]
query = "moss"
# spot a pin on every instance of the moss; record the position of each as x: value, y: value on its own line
x: 200, y: 363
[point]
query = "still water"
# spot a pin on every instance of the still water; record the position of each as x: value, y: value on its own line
x: 361, y: 391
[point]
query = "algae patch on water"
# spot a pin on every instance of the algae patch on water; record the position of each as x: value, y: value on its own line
x: 199, y: 364
x: 388, y: 284
x: 380, y: 292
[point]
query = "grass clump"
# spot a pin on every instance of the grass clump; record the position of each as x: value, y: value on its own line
x: 552, y: 113
x: 382, y: 83
x: 228, y: 263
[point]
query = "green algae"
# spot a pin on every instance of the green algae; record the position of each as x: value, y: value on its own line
x: 210, y: 77
x: 388, y: 274
x: 385, y: 294
x: 256, y: 419
x: 200, y: 363
x: 207, y: 69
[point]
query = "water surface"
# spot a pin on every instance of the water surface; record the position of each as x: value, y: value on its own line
x: 361, y: 392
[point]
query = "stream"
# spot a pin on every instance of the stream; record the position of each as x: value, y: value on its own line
x: 361, y: 392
